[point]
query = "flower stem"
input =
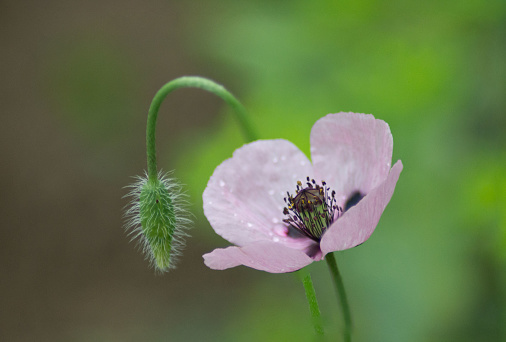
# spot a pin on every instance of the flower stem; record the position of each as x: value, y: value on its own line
x: 341, y: 293
x: 313, y: 303
x: 190, y: 82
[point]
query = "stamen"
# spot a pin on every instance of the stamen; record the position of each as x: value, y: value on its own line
x: 312, y: 210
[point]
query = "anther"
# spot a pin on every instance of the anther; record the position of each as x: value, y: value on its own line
x: 312, y: 210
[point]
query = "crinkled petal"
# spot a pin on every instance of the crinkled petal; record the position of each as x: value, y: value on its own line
x: 358, y: 223
x: 263, y: 255
x: 351, y: 152
x: 243, y: 200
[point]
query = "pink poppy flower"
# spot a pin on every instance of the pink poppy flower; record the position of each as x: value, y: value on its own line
x: 283, y: 212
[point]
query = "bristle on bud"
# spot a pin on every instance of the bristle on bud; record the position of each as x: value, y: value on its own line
x: 158, y: 219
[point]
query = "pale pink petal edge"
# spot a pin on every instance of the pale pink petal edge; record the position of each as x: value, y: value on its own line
x: 263, y: 255
x: 351, y: 151
x: 358, y: 223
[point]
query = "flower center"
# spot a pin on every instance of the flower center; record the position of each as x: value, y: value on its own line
x: 312, y: 210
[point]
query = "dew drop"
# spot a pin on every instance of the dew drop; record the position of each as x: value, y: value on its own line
x: 271, y: 192
x: 222, y: 183
x: 302, y: 162
x: 283, y: 158
x: 250, y: 224
x: 275, y: 239
x: 275, y: 220
x: 275, y: 160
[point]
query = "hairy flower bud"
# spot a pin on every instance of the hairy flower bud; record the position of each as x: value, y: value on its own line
x: 157, y: 217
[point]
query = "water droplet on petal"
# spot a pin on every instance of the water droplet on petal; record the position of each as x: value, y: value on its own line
x: 275, y: 220
x: 275, y: 160
x: 222, y: 183
x: 271, y: 192
x: 275, y: 239
x: 250, y: 224
x: 283, y: 158
x: 302, y: 162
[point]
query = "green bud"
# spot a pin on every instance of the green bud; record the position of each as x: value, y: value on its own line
x: 158, y: 218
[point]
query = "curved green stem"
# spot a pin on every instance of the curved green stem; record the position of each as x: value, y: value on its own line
x: 190, y: 82
x: 313, y: 303
x: 341, y: 293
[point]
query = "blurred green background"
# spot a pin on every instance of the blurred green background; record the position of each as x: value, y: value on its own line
x: 77, y: 80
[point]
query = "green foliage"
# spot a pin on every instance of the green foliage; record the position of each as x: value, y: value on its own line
x: 435, y: 72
